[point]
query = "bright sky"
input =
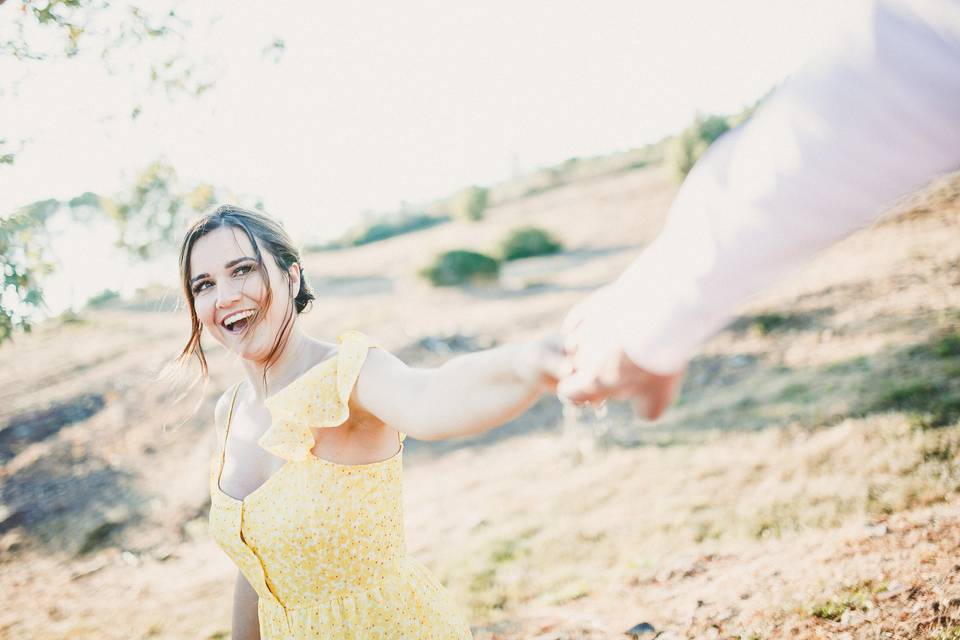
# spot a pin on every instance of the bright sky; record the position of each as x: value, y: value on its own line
x: 375, y: 103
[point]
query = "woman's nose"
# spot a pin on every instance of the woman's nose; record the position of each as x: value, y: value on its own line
x: 227, y: 293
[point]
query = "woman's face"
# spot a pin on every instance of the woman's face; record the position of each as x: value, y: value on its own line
x: 228, y: 283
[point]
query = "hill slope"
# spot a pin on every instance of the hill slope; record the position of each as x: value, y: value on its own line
x: 805, y: 485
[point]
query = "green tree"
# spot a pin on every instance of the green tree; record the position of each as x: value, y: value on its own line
x: 25, y: 258
x: 470, y: 204
x: 35, y: 32
x: 43, y: 30
x: 150, y: 217
x: 144, y: 37
x: 7, y: 154
x: 153, y: 214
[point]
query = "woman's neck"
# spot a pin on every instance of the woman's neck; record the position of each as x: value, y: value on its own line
x: 298, y: 355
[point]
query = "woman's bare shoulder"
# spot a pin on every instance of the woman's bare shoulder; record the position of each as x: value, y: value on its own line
x: 381, y: 362
x: 384, y: 381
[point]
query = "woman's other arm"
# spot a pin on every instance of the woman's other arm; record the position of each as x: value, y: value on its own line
x: 246, y: 622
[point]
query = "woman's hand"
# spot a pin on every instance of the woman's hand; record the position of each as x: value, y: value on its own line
x: 601, y: 369
x: 541, y: 363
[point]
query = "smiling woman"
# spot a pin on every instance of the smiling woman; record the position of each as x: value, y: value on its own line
x: 305, y: 480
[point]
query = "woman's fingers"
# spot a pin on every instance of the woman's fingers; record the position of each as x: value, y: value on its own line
x: 581, y: 387
x: 554, y: 363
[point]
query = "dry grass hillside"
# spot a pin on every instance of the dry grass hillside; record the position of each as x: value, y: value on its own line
x: 805, y: 485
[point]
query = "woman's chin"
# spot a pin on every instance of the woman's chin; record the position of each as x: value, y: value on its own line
x: 238, y: 344
x: 249, y: 345
x: 248, y: 350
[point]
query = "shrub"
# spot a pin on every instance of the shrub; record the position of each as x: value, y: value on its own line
x: 470, y: 203
x: 103, y: 298
x: 378, y: 229
x: 931, y: 404
x: 390, y: 227
x: 947, y: 345
x: 458, y: 267
x: 525, y: 242
x: 694, y: 141
x: 857, y: 597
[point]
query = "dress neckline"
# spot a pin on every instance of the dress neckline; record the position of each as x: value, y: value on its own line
x: 300, y: 378
x: 311, y: 458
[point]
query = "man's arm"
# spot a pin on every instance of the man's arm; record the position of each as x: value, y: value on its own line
x: 841, y: 141
x: 872, y: 120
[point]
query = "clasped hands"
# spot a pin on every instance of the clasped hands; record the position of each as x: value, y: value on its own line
x: 586, y: 364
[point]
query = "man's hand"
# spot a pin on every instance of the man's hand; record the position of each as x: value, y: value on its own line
x: 601, y: 368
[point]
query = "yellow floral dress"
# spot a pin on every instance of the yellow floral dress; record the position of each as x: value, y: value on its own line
x: 322, y: 543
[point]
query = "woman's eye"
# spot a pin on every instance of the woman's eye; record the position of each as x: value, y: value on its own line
x: 246, y: 268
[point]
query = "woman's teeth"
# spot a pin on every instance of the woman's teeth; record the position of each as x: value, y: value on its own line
x: 238, y: 322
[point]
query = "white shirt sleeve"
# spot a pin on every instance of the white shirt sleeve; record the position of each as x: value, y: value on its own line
x: 837, y: 144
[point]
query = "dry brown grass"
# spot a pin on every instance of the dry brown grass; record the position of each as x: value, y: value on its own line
x: 804, y: 486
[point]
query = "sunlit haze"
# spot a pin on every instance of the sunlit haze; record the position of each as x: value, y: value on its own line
x: 373, y: 104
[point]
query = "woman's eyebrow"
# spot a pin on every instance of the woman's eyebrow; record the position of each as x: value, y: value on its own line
x: 226, y: 266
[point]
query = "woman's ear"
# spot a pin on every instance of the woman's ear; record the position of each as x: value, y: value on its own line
x: 294, y: 272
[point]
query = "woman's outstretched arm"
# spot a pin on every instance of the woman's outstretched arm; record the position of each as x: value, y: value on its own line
x: 466, y: 395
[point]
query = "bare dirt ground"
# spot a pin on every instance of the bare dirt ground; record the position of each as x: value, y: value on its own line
x: 804, y: 486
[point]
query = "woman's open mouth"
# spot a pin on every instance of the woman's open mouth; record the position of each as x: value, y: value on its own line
x: 236, y: 322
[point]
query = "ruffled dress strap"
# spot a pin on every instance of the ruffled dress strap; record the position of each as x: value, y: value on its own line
x: 318, y: 398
